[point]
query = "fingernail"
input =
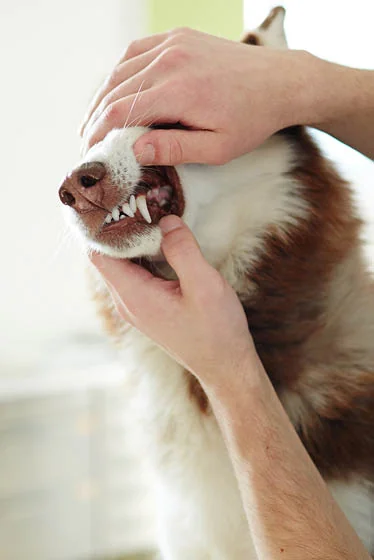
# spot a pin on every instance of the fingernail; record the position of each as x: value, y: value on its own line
x: 169, y: 223
x: 147, y: 155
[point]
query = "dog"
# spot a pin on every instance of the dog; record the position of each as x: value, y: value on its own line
x: 280, y: 225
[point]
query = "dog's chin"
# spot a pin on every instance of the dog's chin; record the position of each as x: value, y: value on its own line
x: 146, y: 245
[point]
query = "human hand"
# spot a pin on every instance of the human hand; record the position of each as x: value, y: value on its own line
x: 197, y: 319
x: 229, y: 95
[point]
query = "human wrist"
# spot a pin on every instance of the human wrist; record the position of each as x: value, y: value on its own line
x: 315, y: 89
x: 305, y: 96
x: 241, y: 387
x: 333, y: 92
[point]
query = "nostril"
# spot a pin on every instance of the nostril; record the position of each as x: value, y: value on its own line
x: 88, y: 181
x: 66, y: 197
x: 90, y: 173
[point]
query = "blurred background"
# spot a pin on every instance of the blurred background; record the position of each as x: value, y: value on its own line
x: 72, y: 482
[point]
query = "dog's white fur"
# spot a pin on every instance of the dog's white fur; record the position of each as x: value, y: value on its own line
x: 228, y: 208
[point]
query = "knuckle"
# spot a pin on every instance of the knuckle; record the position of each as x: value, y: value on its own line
x: 175, y: 151
x: 111, y: 114
x: 113, y: 79
x: 133, y: 49
x: 172, y: 56
x: 181, y: 31
x: 163, y: 60
x: 108, y: 100
x: 175, y: 86
x: 168, y: 151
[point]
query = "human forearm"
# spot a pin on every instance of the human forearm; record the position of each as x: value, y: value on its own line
x: 339, y: 101
x: 290, y: 511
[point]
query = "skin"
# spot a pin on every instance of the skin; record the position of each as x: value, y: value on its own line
x: 182, y: 76
x: 231, y: 96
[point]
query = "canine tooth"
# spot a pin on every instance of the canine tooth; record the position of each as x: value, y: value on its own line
x: 115, y: 214
x: 108, y: 219
x: 143, y: 208
x: 133, y: 203
x: 127, y: 210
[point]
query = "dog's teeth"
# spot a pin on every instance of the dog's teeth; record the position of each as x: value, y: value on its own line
x: 127, y: 210
x: 143, y: 208
x: 133, y: 203
x: 108, y: 219
x: 122, y: 217
x: 115, y: 214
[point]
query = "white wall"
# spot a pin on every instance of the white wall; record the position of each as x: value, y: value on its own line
x: 53, y: 56
x: 341, y: 32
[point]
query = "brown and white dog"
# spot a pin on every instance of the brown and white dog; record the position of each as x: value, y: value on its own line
x: 280, y: 225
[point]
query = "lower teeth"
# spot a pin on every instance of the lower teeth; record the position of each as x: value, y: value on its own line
x: 159, y: 197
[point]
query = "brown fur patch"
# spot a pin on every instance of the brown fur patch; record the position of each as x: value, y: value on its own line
x: 292, y: 274
x: 288, y: 318
x: 251, y: 39
x: 273, y: 14
x: 339, y: 434
x: 197, y: 393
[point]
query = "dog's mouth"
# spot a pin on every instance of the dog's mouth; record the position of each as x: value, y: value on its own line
x: 157, y: 194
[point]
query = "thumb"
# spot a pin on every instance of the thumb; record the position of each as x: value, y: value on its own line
x: 183, y: 253
x: 172, y: 147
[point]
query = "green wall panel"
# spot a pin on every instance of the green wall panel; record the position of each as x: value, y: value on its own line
x: 219, y: 17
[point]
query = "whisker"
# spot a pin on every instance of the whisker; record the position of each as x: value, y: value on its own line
x: 143, y: 116
x: 64, y: 238
x: 133, y: 103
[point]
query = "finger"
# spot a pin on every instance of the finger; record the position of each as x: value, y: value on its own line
x: 120, y: 74
x: 143, y: 45
x: 136, y: 291
x: 183, y: 253
x: 135, y: 85
x: 111, y: 268
x: 143, y: 108
x: 172, y: 147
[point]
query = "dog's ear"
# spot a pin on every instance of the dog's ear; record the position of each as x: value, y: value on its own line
x: 271, y: 31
